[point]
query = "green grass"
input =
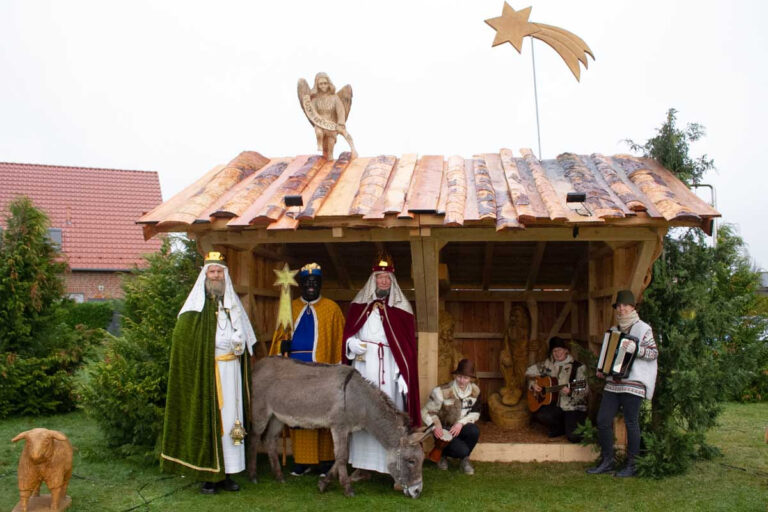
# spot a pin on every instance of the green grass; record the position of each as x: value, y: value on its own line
x: 736, y: 481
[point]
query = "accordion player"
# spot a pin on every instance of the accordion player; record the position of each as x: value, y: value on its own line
x: 615, y: 360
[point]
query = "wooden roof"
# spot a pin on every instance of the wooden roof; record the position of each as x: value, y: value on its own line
x: 504, y: 190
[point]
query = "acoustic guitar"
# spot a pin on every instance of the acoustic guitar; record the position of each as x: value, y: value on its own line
x: 549, y: 390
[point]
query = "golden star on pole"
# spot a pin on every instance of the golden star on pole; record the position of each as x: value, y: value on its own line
x: 285, y: 279
x: 512, y: 26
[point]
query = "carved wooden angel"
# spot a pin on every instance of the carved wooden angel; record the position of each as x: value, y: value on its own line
x: 327, y: 110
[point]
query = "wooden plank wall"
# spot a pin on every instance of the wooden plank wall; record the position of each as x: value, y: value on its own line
x: 479, y: 333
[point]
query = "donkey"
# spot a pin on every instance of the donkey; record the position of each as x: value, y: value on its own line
x: 312, y: 395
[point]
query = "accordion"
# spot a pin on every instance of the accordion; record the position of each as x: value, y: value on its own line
x: 614, y: 359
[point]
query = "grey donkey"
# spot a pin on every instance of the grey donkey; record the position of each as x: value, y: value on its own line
x: 312, y: 395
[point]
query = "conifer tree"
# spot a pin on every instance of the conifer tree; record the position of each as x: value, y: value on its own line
x: 31, y: 279
x: 696, y: 304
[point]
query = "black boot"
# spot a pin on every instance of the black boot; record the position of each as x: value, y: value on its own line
x: 606, y: 466
x: 628, y: 470
x: 229, y: 485
x: 208, y: 488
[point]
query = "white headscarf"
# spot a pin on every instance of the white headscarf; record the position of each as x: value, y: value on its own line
x: 196, y: 301
x: 396, y: 298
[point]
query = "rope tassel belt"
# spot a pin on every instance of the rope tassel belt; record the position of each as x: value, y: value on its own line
x: 380, y: 353
x: 219, y: 395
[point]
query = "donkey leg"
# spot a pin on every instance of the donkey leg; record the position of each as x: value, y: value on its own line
x: 258, y: 425
x: 273, y: 431
x: 341, y: 453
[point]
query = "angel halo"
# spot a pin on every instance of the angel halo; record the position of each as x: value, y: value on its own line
x: 327, y: 111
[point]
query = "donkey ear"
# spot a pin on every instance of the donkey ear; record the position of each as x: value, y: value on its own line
x: 419, y: 438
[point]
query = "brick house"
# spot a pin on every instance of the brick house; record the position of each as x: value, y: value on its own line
x: 92, y: 214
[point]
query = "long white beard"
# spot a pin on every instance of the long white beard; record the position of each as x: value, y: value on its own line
x: 626, y: 321
x: 215, y: 288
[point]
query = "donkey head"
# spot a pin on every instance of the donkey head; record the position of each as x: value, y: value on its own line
x: 405, y: 462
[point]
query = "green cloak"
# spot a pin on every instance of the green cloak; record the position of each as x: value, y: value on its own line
x: 191, y: 444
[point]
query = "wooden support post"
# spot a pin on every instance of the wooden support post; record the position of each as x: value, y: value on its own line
x: 488, y: 264
x: 592, y: 328
x: 643, y: 261
x: 533, y: 272
x: 533, y: 311
x: 425, y: 255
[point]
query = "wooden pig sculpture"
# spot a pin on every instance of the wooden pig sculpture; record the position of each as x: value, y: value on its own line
x: 47, y: 457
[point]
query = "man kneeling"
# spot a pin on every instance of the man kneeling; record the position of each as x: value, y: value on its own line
x: 453, y: 409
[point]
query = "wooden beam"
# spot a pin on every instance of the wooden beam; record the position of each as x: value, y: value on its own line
x: 605, y: 292
x: 592, y: 326
x: 338, y: 264
x: 489, y: 375
x: 425, y: 256
x: 511, y: 295
x: 533, y: 272
x: 479, y: 335
x: 425, y: 263
x: 487, y: 264
x: 560, y: 319
x: 533, y: 312
x: 553, y: 233
x: 646, y: 255
x: 346, y: 295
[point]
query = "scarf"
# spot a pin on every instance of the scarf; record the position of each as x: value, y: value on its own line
x: 628, y: 320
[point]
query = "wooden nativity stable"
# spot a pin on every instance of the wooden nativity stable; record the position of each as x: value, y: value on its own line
x: 475, y: 237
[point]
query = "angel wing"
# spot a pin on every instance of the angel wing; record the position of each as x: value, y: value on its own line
x: 303, y: 91
x: 345, y: 95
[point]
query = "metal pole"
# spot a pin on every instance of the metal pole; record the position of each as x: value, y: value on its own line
x: 536, y: 99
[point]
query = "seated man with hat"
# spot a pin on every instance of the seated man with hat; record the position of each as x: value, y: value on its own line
x: 570, y: 409
x: 453, y: 409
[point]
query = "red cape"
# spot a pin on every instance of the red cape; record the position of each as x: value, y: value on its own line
x: 400, y: 329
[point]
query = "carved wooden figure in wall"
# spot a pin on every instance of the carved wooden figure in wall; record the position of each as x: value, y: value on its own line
x: 506, y: 407
x: 327, y: 111
x: 448, y: 353
x: 47, y: 457
x: 514, y: 357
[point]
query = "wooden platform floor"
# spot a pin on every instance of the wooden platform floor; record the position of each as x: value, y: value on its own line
x: 528, y: 445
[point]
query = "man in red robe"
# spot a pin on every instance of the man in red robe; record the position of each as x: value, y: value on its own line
x: 380, y: 340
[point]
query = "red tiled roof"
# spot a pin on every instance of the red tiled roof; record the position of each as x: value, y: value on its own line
x: 96, y: 210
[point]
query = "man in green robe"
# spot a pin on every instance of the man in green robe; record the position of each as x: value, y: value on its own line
x: 207, y: 383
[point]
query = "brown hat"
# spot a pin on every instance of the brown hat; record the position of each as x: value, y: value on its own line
x: 624, y: 297
x: 465, y: 367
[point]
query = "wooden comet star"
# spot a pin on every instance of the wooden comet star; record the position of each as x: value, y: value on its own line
x: 512, y: 26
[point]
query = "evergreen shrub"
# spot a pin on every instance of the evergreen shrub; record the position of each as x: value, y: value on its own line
x: 94, y: 315
x: 124, y: 391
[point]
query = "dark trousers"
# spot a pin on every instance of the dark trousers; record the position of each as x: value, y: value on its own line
x: 609, y: 406
x: 560, y: 422
x: 462, y: 445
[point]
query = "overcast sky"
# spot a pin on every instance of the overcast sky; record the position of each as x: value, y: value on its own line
x: 178, y: 86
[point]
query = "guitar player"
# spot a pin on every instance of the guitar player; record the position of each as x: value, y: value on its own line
x: 564, y: 414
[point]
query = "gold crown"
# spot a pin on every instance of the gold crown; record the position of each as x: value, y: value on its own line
x: 214, y: 257
x: 384, y: 263
x: 311, y: 268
